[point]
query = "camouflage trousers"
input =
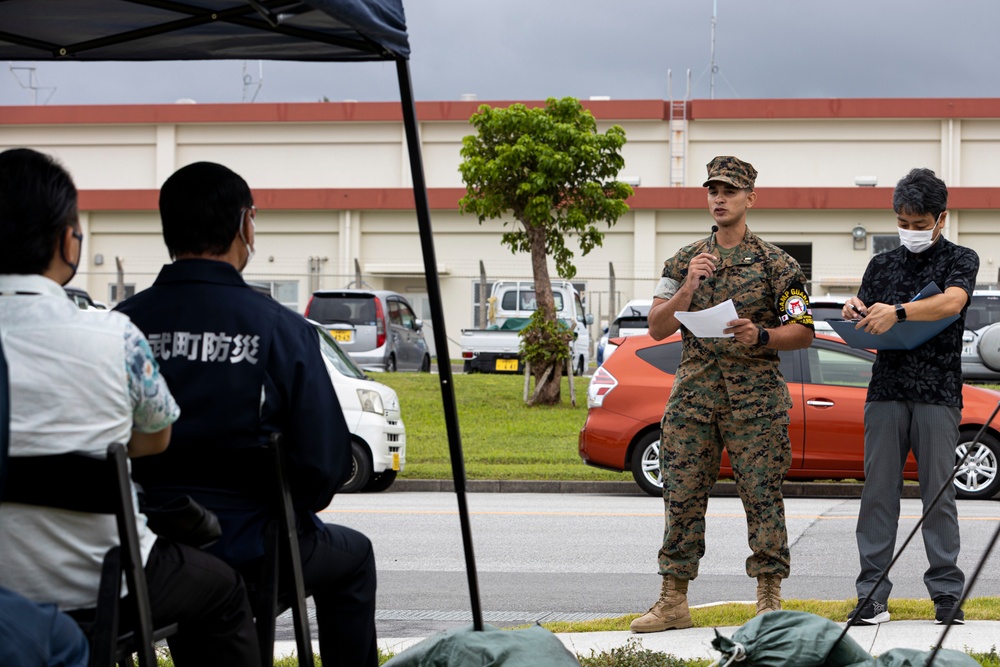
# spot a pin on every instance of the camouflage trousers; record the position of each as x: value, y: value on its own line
x: 690, y: 454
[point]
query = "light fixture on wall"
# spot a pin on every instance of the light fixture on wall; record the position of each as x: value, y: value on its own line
x: 98, y: 259
x: 866, y: 181
x: 860, y: 236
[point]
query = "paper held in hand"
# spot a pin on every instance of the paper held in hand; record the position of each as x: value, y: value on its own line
x: 710, y: 322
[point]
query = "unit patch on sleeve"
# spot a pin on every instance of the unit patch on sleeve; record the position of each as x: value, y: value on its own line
x: 793, y: 305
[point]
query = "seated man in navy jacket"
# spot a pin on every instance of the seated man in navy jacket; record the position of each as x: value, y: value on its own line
x: 242, y: 366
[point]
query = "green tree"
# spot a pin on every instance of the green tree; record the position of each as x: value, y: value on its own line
x: 554, y: 173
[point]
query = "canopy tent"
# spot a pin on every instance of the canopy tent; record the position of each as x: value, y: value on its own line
x: 311, y: 30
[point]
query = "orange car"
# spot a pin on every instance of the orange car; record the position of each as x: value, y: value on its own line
x: 828, y: 382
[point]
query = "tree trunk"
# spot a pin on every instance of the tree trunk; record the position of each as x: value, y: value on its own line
x: 548, y: 377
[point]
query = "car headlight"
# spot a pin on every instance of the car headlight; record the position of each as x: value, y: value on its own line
x: 371, y: 401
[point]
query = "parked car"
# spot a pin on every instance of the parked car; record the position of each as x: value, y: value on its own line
x: 631, y: 321
x: 371, y: 409
x: 828, y: 383
x: 827, y: 308
x: 377, y: 328
x: 981, y: 340
x: 82, y: 299
x: 497, y: 348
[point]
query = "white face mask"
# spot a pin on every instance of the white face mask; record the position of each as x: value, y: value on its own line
x: 250, y: 251
x: 917, y: 241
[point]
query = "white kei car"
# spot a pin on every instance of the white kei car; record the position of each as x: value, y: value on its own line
x: 378, y: 437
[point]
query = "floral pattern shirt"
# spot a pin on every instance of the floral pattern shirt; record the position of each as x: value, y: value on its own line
x: 153, y: 407
x: 932, y: 372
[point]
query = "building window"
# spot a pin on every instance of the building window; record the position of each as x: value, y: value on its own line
x: 285, y: 292
x: 113, y: 292
x: 884, y: 243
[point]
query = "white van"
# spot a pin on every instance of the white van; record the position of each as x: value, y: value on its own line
x: 371, y: 409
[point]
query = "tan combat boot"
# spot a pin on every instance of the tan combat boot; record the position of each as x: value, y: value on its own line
x: 670, y: 611
x: 768, y: 593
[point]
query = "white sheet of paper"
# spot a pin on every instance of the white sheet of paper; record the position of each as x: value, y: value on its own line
x: 709, y: 323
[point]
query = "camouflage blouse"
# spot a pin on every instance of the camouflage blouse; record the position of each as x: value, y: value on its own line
x: 931, y: 373
x: 722, y: 374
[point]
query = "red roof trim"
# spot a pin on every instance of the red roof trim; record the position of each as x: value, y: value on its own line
x: 446, y: 199
x: 314, y: 112
x: 653, y: 110
x: 845, y: 108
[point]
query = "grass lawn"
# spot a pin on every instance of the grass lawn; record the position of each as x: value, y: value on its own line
x: 501, y: 437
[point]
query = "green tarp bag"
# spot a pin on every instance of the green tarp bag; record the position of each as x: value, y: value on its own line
x: 911, y: 657
x: 465, y: 647
x: 799, y: 639
x: 789, y: 638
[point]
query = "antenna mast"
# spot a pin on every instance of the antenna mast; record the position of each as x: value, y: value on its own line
x: 32, y: 84
x: 248, y: 81
x: 712, y: 66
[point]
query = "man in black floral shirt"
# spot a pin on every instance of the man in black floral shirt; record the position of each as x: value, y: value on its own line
x: 915, y: 396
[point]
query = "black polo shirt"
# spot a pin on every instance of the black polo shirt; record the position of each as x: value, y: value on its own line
x: 931, y: 373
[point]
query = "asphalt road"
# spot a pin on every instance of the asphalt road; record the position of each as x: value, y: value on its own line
x: 576, y: 556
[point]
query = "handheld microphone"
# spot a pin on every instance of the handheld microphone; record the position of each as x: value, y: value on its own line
x: 711, y: 242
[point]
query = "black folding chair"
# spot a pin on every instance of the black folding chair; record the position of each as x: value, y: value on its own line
x: 282, y: 563
x: 4, y: 416
x: 97, y: 486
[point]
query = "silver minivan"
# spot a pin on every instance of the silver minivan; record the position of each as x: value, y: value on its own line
x: 377, y: 328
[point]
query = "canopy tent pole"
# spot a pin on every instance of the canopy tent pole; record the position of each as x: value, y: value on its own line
x: 440, y: 335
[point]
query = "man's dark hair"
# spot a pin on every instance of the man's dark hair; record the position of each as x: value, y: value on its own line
x: 37, y: 203
x: 920, y: 192
x: 200, y: 207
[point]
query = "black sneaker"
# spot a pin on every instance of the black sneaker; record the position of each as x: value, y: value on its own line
x: 873, y: 613
x: 944, y: 606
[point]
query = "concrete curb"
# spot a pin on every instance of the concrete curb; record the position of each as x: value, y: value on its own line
x: 721, y: 489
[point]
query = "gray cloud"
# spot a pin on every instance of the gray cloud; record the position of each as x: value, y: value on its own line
x: 532, y: 49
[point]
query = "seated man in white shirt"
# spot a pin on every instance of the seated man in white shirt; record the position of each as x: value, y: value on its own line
x: 78, y: 382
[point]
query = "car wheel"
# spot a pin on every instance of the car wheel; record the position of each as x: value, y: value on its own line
x: 380, y: 481
x: 361, y: 470
x: 580, y: 366
x: 646, y: 464
x: 425, y: 365
x: 467, y: 368
x: 390, y: 364
x: 978, y: 476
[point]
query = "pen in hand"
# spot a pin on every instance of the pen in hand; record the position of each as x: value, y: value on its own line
x: 856, y: 310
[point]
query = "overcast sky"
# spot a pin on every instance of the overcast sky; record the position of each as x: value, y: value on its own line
x: 533, y: 49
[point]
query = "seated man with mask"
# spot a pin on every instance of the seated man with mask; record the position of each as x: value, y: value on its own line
x: 242, y: 367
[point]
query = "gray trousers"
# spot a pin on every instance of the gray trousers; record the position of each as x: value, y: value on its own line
x: 892, y: 429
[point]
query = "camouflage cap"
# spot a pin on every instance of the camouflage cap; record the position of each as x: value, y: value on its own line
x: 732, y: 170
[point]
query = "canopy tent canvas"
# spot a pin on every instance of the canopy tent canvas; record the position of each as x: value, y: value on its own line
x: 310, y: 30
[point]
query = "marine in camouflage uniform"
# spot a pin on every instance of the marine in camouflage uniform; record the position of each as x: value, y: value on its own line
x: 728, y: 392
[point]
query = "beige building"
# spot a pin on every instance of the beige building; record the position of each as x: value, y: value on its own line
x: 332, y: 184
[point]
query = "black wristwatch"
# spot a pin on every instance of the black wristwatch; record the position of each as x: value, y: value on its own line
x: 763, y: 337
x: 900, y: 313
